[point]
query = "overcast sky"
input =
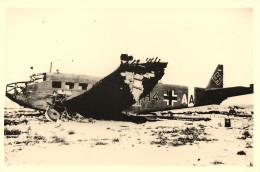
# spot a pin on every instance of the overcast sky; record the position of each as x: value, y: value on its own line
x: 90, y: 41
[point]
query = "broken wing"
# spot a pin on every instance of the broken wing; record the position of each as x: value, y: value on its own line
x: 119, y: 90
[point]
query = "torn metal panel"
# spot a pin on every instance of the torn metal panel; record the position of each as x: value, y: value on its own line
x: 119, y: 90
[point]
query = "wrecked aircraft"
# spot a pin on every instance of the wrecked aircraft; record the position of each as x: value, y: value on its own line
x: 58, y: 93
x: 132, y: 88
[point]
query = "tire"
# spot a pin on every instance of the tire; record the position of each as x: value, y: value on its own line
x: 52, y: 115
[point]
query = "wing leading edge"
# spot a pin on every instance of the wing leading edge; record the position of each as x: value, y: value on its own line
x: 119, y: 90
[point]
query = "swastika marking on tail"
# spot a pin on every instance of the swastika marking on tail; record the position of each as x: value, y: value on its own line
x: 217, y: 78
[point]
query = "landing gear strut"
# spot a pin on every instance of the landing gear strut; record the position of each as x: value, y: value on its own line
x: 52, y: 115
x: 55, y: 108
x: 57, y: 111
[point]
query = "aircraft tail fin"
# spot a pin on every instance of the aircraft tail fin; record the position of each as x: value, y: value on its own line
x: 216, y: 80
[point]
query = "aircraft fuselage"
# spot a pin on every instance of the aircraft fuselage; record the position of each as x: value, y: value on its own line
x: 37, y: 94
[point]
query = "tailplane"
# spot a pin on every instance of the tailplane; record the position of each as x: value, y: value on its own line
x: 216, y: 81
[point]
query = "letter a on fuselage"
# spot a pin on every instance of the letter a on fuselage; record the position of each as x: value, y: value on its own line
x: 191, y: 97
x: 184, y: 99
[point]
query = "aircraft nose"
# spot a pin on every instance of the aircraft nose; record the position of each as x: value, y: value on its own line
x: 14, y: 91
x: 10, y: 92
x: 9, y: 95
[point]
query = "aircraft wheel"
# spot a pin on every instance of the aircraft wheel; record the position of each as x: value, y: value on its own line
x: 52, y: 115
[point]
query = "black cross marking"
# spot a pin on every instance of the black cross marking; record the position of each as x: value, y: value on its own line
x: 170, y: 97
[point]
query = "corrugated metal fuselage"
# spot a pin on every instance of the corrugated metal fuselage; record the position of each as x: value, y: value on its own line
x: 36, y: 95
x: 164, y: 96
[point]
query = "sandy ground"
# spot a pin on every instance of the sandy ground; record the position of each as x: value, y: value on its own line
x: 30, y: 140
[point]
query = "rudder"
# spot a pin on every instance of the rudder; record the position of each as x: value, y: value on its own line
x: 216, y: 80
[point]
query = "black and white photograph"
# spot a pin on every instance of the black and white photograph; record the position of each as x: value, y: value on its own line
x: 128, y: 86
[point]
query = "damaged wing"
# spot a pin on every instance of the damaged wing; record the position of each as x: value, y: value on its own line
x: 119, y: 90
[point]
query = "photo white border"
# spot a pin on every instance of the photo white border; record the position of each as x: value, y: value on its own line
x: 137, y: 4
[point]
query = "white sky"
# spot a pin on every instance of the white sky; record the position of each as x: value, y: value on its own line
x: 193, y: 41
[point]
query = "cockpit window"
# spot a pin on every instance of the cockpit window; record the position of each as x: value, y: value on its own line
x: 56, y: 84
x: 38, y: 77
x: 70, y: 85
x: 83, y: 86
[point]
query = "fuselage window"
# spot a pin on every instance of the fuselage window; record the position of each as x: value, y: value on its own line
x: 70, y: 84
x: 83, y: 86
x: 56, y: 84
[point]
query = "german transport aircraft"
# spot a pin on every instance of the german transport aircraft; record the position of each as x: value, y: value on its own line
x: 132, y: 88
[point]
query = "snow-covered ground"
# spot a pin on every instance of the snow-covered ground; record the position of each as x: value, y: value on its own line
x: 30, y: 140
